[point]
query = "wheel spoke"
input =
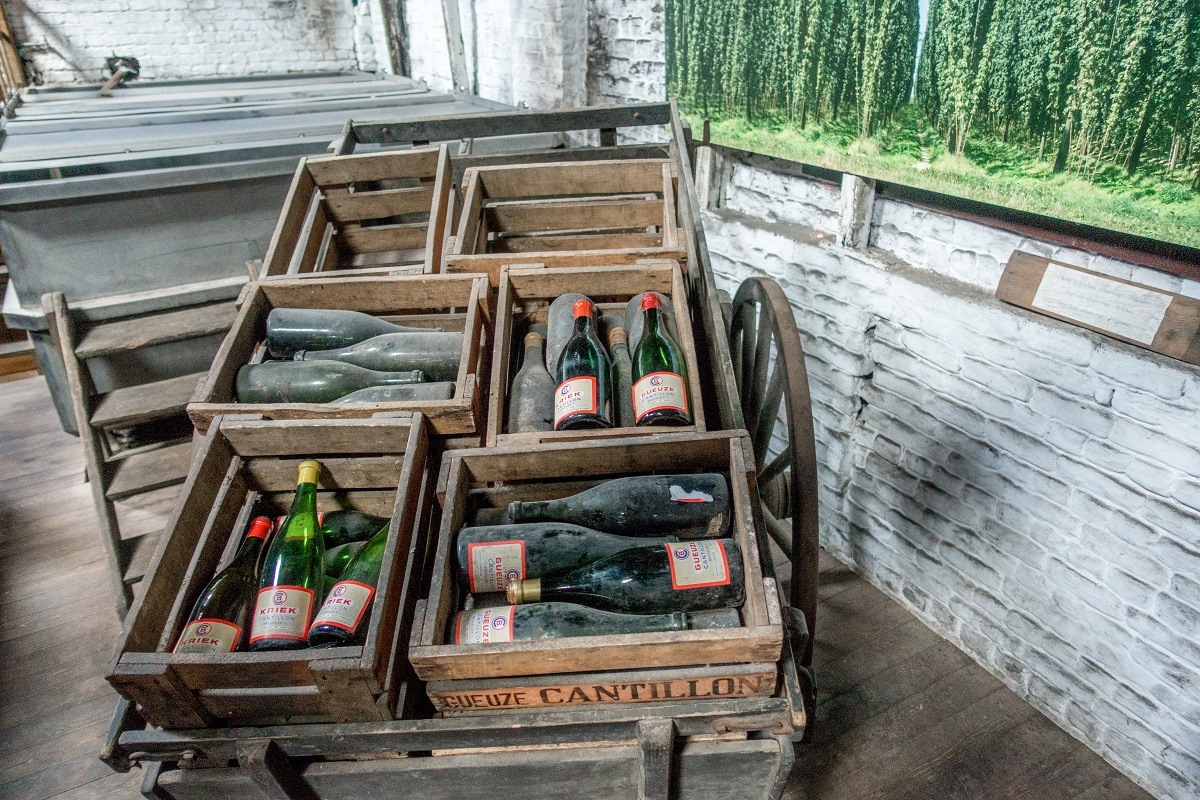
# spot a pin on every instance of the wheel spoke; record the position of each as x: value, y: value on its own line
x: 766, y: 415
x: 777, y: 466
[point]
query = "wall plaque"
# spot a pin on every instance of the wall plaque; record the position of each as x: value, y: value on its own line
x: 1152, y: 318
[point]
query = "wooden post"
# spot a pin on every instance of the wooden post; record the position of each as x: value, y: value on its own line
x: 704, y: 175
x: 271, y: 771
x: 656, y: 755
x: 858, y: 202
x: 454, y: 41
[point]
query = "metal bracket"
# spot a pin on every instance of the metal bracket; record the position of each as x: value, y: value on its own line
x: 762, y: 722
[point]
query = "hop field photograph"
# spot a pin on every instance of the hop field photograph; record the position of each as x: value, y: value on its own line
x: 1085, y: 110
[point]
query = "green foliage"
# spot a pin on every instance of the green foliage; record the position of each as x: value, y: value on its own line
x: 1106, y: 90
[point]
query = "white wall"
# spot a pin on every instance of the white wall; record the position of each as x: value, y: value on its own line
x: 1028, y: 488
x: 191, y: 38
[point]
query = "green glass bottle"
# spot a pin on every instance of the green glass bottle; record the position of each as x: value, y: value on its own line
x: 345, y: 613
x: 293, y: 572
x: 311, y: 381
x: 290, y: 330
x: 660, y: 395
x: 347, y: 525
x: 442, y: 390
x: 434, y: 354
x: 618, y: 348
x: 218, y: 619
x: 518, y: 623
x: 681, y: 576
x: 582, y: 398
x: 490, y: 557
x: 687, y: 506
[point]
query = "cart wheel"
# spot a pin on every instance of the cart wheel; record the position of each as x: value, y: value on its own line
x: 768, y: 364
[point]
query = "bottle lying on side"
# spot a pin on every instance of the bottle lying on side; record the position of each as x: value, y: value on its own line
x: 491, y: 557
x: 681, y: 576
x: 435, y: 354
x: 442, y: 390
x: 311, y: 381
x: 290, y: 330
x: 217, y: 623
x: 495, y: 625
x: 687, y: 506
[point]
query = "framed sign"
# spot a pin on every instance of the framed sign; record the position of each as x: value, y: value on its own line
x: 1155, y: 319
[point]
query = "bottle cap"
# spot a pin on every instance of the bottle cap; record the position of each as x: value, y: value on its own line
x: 260, y: 528
x: 650, y: 300
x: 526, y: 591
x: 309, y: 471
x: 533, y: 339
x: 583, y: 308
x: 617, y: 336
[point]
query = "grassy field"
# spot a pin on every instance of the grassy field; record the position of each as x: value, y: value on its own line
x: 909, y: 152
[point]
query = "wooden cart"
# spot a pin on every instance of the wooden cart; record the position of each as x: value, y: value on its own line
x: 712, y: 748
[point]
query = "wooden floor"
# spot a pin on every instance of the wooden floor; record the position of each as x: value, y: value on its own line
x: 902, y: 714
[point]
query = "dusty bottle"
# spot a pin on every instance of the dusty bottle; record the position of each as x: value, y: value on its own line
x: 347, y: 525
x: 442, y: 390
x: 531, y: 396
x: 560, y: 327
x: 660, y: 395
x: 311, y: 381
x: 218, y: 619
x: 521, y: 623
x: 293, y: 572
x: 687, y: 506
x: 434, y: 354
x: 582, y: 398
x: 344, y: 614
x: 618, y: 349
x: 491, y: 557
x: 679, y: 576
x: 290, y: 330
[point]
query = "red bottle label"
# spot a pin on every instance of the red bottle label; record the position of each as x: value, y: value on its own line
x: 484, y: 626
x: 695, y: 565
x: 282, y: 612
x: 209, y: 636
x: 658, y: 391
x: 345, y: 606
x: 575, y: 396
x: 492, y: 566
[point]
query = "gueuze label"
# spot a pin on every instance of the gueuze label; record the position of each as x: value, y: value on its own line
x: 657, y: 391
x: 695, y: 565
x: 494, y: 565
x: 484, y: 626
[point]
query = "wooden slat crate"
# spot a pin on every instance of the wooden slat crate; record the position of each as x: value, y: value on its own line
x: 567, y: 214
x: 493, y: 477
x: 451, y: 302
x: 381, y: 213
x: 526, y: 293
x: 377, y: 466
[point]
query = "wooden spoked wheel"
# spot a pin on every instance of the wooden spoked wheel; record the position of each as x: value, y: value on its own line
x: 768, y: 364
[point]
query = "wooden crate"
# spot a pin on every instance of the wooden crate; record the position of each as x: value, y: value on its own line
x: 525, y: 296
x: 378, y: 213
x: 567, y: 214
x: 452, y: 302
x: 494, y: 477
x: 374, y: 465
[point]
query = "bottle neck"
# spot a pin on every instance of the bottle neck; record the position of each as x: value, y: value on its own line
x: 532, y: 511
x: 650, y: 328
x: 304, y: 504
x: 247, y: 554
x: 534, y: 355
x: 583, y: 324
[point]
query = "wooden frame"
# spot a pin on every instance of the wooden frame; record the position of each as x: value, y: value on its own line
x: 453, y: 302
x: 470, y: 477
x: 526, y: 293
x: 567, y: 214
x: 336, y: 222
x: 375, y: 465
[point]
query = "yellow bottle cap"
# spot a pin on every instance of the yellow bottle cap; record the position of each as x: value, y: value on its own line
x: 309, y: 471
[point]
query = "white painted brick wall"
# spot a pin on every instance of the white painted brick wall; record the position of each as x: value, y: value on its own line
x: 626, y: 52
x: 190, y: 38
x: 1029, y: 488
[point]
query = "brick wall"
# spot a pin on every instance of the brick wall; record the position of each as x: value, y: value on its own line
x: 69, y: 39
x: 1028, y: 488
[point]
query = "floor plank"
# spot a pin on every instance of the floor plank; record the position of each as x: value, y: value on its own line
x: 901, y: 712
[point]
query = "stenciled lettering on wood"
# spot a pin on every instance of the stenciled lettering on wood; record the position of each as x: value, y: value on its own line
x: 599, y: 693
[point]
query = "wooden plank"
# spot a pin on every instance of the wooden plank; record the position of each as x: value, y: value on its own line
x: 1160, y: 321
x: 419, y: 162
x: 490, y: 264
x: 574, y: 215
x: 656, y: 754
x: 579, y: 178
x: 573, y: 242
x: 174, y: 326
x: 291, y: 222
x: 142, y: 472
x: 384, y: 238
x: 148, y: 401
x: 250, y: 437
x: 357, y: 206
